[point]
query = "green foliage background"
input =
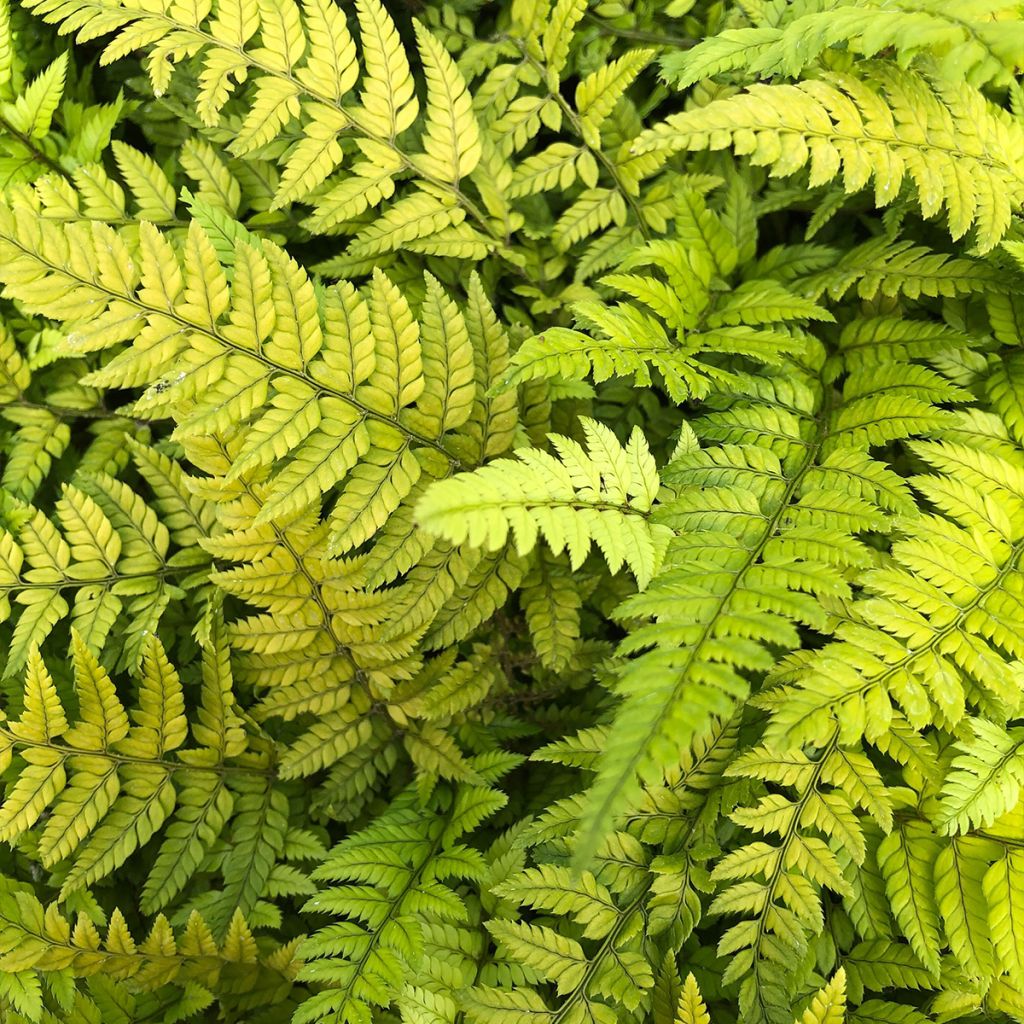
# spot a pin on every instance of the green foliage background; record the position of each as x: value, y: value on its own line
x: 511, y: 513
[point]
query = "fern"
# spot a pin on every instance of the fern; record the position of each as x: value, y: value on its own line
x: 620, y: 911
x: 331, y: 393
x: 602, y: 495
x: 695, y: 323
x: 110, y: 556
x: 304, y: 68
x: 186, y: 968
x: 347, y: 356
x: 394, y: 884
x: 882, y: 268
x: 828, y: 1006
x: 949, y: 659
x: 110, y: 784
x: 783, y: 533
x: 887, y: 125
x: 978, y: 42
x: 773, y: 511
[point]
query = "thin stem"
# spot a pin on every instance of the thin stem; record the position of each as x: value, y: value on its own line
x: 65, y: 412
x: 171, y: 767
x: 30, y: 145
x: 640, y: 36
x: 573, y: 118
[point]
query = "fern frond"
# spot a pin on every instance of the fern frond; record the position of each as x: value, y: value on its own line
x: 880, y: 964
x: 333, y: 644
x: 984, y: 779
x: 766, y: 522
x: 828, y: 1005
x: 39, y: 439
x: 1003, y: 887
x: 310, y: 532
x: 6, y: 50
x: 28, y: 118
x: 883, y: 268
x: 391, y: 882
x: 978, y: 43
x: 108, y: 568
x: 599, y: 495
x: 621, y: 909
x: 301, y: 64
x: 888, y: 125
x: 675, y: 320
x: 597, y: 94
x: 328, y: 388
x: 551, y: 602
x: 960, y: 870
x: 34, y: 938
x: 100, y: 787
x: 906, y: 860
x: 775, y: 886
x: 956, y: 574
x: 691, y: 1009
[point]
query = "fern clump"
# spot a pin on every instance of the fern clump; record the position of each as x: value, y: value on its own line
x: 511, y: 512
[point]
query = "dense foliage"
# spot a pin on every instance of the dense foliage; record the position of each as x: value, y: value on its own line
x: 512, y: 512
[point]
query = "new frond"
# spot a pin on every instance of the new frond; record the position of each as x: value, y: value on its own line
x: 676, y: 324
x: 599, y: 495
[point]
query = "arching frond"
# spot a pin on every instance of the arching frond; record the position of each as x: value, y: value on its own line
x: 886, y: 126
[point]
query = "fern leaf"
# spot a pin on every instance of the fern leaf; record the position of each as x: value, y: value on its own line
x: 631, y: 341
x: 691, y: 1008
x: 314, y: 157
x: 1004, y: 893
x: 901, y: 268
x: 451, y: 139
x: 735, y: 501
x: 980, y: 46
x: 829, y: 1005
x: 32, y: 112
x: 153, y: 193
x: 397, y: 872
x: 985, y: 779
x: 496, y: 1006
x: 960, y: 869
x: 892, y: 672
x: 906, y: 858
x: 552, y: 605
x: 388, y: 102
x: 272, y: 308
x: 107, y: 568
x: 557, y: 166
x: 46, y: 941
x: 330, y: 69
x: 112, y: 782
x: 558, y: 36
x: 824, y: 122
x: 600, y: 496
x: 597, y: 94
x: 6, y: 49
